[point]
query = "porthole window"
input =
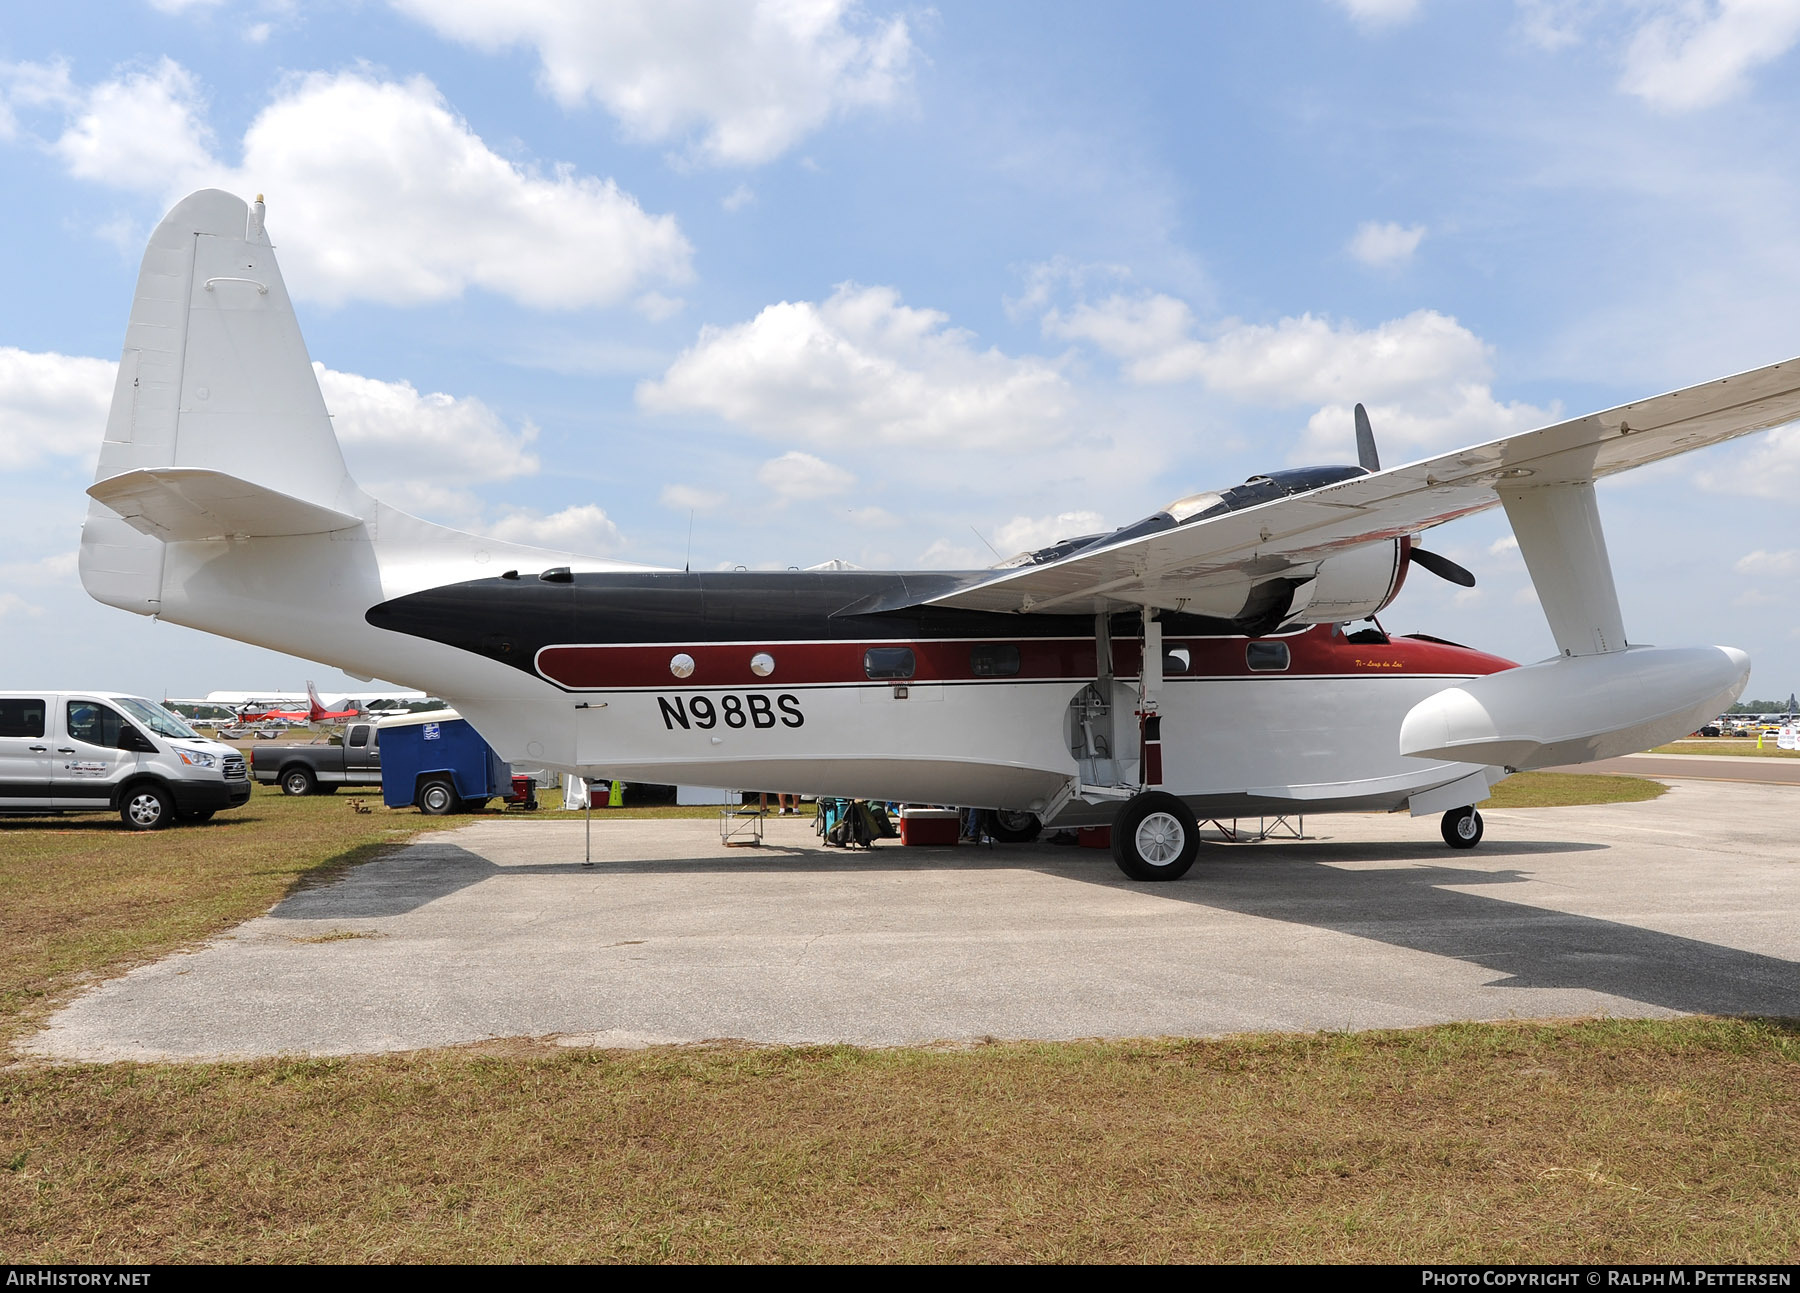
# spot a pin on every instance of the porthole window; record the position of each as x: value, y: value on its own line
x: 1177, y: 661
x: 682, y: 665
x: 994, y: 660
x: 888, y: 662
x: 762, y: 664
x: 1266, y: 657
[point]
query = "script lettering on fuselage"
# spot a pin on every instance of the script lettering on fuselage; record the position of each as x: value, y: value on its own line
x: 753, y: 709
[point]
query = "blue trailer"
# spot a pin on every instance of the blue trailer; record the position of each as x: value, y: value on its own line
x: 436, y: 761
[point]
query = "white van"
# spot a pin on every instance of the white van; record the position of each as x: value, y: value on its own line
x: 78, y: 751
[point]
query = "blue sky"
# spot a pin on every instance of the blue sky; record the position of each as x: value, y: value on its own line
x: 892, y: 283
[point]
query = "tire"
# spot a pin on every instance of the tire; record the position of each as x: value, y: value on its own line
x: 437, y: 798
x: 1155, y: 837
x: 1013, y: 828
x: 146, y: 807
x: 298, y: 781
x: 1461, y: 828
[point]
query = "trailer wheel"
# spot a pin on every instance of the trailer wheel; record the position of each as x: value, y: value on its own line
x: 1462, y: 828
x: 298, y: 781
x: 1155, y: 837
x: 437, y: 798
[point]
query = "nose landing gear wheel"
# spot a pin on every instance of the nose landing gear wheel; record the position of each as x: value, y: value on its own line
x: 1462, y: 828
x: 1155, y: 837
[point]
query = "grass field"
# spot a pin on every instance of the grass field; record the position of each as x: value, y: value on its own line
x: 1740, y: 749
x: 1602, y: 1140
x: 1567, y: 789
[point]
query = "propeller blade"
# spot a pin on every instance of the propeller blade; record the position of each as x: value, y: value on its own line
x: 1365, y: 442
x: 1442, y: 567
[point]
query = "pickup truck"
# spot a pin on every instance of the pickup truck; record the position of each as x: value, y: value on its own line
x: 321, y: 769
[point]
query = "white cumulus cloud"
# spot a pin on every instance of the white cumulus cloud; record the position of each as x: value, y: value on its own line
x: 741, y: 80
x: 1425, y: 378
x: 859, y: 369
x: 1768, y: 467
x: 688, y: 498
x: 583, y: 528
x: 391, y: 433
x: 1785, y: 561
x: 140, y: 131
x: 51, y: 406
x: 797, y: 476
x: 1020, y: 535
x: 1699, y: 52
x: 1380, y: 13
x: 378, y: 190
x: 1382, y: 245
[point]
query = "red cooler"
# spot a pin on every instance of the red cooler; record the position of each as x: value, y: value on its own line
x: 930, y: 825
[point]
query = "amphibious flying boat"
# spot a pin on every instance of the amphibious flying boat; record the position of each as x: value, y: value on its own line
x: 1200, y: 663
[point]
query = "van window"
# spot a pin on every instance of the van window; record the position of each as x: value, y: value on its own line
x: 888, y: 662
x: 92, y: 723
x: 21, y: 718
x: 156, y: 718
x: 1266, y: 657
x: 994, y: 660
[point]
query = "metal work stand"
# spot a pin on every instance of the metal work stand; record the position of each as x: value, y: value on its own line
x: 1267, y: 828
x: 740, y: 827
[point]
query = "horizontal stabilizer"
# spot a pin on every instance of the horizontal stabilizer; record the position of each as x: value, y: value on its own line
x: 185, y: 503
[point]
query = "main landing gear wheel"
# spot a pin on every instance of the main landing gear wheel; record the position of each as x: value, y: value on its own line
x: 1013, y: 828
x: 1155, y: 837
x: 1462, y: 828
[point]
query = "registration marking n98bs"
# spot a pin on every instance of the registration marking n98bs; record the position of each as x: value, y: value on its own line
x: 753, y: 709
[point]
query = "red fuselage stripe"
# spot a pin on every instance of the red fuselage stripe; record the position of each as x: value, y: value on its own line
x: 1314, y: 653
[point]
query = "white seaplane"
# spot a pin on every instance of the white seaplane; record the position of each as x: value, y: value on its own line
x: 1194, y: 665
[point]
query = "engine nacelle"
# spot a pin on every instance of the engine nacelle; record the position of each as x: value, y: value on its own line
x: 1353, y: 585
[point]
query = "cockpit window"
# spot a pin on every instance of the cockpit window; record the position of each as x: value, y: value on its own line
x: 1266, y: 657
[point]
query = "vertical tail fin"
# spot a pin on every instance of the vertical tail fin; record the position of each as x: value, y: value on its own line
x: 214, y: 378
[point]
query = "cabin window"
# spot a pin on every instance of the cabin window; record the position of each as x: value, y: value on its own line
x: 1266, y: 657
x: 93, y: 724
x: 21, y: 718
x: 1177, y: 661
x: 888, y: 662
x: 994, y: 660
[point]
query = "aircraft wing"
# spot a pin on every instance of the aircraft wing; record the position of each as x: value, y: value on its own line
x: 1212, y: 561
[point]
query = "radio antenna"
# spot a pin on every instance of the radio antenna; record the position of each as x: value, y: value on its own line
x: 687, y: 564
x: 990, y: 547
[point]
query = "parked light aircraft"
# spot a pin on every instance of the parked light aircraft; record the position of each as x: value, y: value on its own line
x: 1196, y: 664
